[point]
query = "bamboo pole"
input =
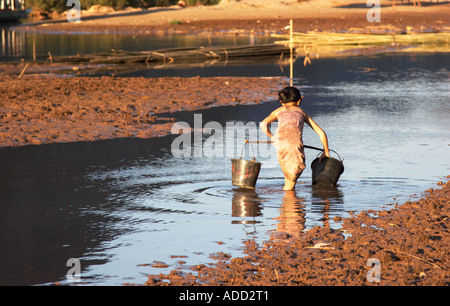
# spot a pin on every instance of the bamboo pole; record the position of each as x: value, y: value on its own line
x: 270, y: 141
x: 291, y: 48
x: 330, y: 44
x: 23, y: 70
x: 34, y: 48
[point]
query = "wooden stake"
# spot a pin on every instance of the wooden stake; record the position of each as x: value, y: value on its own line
x: 291, y: 48
x: 34, y: 49
x: 23, y: 70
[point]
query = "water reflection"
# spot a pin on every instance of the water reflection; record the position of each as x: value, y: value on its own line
x: 326, y: 200
x: 249, y: 207
x: 51, y: 212
x: 17, y: 44
x: 13, y: 44
x: 246, y: 207
x: 292, y: 214
x: 246, y: 203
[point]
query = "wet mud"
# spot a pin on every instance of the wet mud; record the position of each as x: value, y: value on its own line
x: 40, y: 110
x: 407, y: 245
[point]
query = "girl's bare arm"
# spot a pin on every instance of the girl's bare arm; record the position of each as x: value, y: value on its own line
x: 264, y: 125
x: 322, y: 135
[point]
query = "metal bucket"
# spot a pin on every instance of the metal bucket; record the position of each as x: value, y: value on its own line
x: 326, y: 173
x: 244, y: 173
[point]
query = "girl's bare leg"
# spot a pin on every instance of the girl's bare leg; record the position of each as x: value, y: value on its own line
x: 289, y: 185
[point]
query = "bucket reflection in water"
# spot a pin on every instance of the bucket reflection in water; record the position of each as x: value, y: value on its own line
x: 326, y: 200
x: 246, y: 204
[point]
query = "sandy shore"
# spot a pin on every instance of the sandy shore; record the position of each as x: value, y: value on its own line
x: 255, y: 16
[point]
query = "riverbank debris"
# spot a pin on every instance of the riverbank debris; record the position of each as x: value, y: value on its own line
x: 179, y: 55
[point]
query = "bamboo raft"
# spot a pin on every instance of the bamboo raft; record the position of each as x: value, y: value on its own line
x: 329, y: 38
x: 333, y: 44
x: 179, y: 55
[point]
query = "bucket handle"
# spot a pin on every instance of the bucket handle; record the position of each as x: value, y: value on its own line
x: 319, y: 149
x: 340, y: 159
x: 243, y: 147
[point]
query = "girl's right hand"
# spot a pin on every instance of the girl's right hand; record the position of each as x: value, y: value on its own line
x: 324, y: 154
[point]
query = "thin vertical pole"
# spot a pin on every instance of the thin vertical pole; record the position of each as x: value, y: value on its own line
x: 34, y: 48
x: 291, y: 48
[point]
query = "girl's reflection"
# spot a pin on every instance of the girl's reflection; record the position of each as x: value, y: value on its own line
x: 292, y: 214
x: 246, y: 206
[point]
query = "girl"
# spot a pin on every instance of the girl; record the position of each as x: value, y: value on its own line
x: 288, y: 137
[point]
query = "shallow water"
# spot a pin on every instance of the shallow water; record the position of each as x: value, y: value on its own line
x: 17, y: 44
x: 121, y: 205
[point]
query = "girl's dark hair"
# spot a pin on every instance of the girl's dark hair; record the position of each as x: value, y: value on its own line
x: 289, y: 94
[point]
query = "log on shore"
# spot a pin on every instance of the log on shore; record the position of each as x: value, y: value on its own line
x: 179, y: 55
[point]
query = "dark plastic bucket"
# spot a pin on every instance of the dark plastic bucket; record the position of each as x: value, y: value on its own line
x: 244, y: 173
x: 326, y: 173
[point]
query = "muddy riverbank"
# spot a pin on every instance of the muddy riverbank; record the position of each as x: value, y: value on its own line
x: 407, y: 245
x: 45, y: 109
